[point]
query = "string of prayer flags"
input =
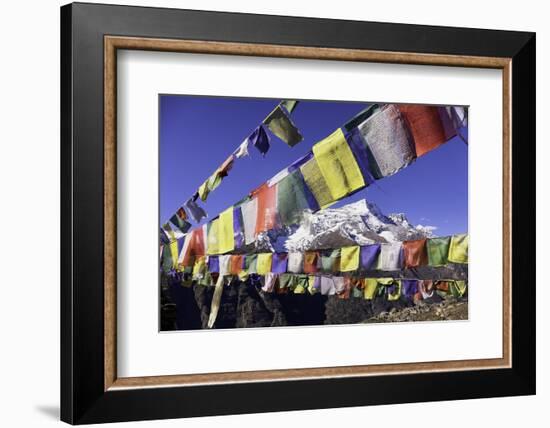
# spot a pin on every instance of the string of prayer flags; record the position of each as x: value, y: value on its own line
x: 338, y: 165
x: 216, y: 178
x: 388, y: 139
x: 279, y: 124
x: 458, y: 249
x: 195, y: 211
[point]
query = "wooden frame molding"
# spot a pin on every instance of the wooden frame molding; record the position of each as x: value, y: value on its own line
x: 113, y: 43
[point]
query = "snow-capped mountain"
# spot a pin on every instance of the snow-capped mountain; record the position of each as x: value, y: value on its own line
x: 359, y: 223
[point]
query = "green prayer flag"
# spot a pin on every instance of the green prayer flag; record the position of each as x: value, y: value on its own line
x: 438, y: 250
x: 291, y: 198
x: 290, y: 105
x: 280, y: 124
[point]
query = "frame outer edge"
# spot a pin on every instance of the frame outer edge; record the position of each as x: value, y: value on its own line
x: 66, y: 261
x: 524, y: 232
x: 82, y: 400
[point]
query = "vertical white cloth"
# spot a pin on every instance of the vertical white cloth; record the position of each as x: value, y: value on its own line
x: 295, y: 262
x: 390, y: 257
x: 225, y: 261
x: 249, y: 210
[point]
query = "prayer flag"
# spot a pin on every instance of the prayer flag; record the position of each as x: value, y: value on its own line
x: 226, y: 241
x: 260, y: 139
x: 289, y: 105
x: 266, y: 216
x: 425, y: 126
x: 369, y: 255
x: 264, y: 263
x: 414, y: 253
x: 388, y: 140
x: 310, y: 262
x: 438, y: 250
x: 330, y: 260
x: 390, y: 257
x: 194, y: 210
x: 181, y: 224
x: 350, y: 258
x: 338, y: 165
x: 361, y: 153
x: 279, y: 262
x: 295, y: 262
x: 293, y: 197
x: 316, y: 183
x: 280, y: 124
x: 458, y: 249
x: 249, y: 212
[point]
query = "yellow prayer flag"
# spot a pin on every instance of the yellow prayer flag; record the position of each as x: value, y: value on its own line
x: 174, y: 252
x: 203, y: 191
x: 214, y: 237
x: 338, y: 165
x: 458, y: 250
x: 349, y: 259
x: 369, y: 288
x: 200, y: 266
x: 316, y: 183
x: 263, y: 265
x: 226, y: 240
x: 397, y: 293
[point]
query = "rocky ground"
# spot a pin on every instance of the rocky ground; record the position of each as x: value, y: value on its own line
x: 244, y: 306
x: 449, y: 309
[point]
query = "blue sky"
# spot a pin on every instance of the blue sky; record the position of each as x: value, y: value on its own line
x: 198, y: 133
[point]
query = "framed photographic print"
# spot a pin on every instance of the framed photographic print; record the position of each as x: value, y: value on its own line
x: 266, y: 213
